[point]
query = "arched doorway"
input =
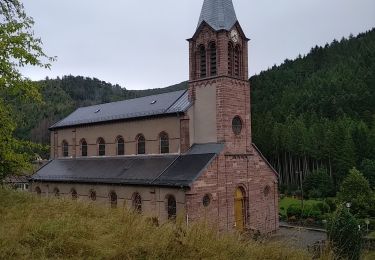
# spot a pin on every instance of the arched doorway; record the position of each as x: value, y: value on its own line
x: 240, y: 209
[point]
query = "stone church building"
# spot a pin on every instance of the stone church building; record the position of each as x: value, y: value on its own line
x: 187, y: 153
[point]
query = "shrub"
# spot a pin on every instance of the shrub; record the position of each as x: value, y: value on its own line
x: 331, y: 202
x: 344, y: 235
x: 319, y: 184
x: 356, y: 190
x: 368, y: 169
x: 294, y: 210
x: 314, y: 194
x: 323, y: 207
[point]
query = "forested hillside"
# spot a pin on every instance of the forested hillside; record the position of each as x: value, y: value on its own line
x: 318, y: 111
x: 315, y: 112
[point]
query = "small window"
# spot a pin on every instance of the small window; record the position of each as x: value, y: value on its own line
x: 101, y: 147
x: 164, y: 143
x: 206, y: 200
x: 137, y: 202
x: 171, y: 207
x: 120, y: 146
x: 237, y: 125
x: 56, y: 192
x: 93, y: 195
x: 74, y: 194
x: 113, y: 199
x: 38, y: 191
x: 141, y: 144
x: 83, y: 148
x: 65, y: 148
x: 267, y: 191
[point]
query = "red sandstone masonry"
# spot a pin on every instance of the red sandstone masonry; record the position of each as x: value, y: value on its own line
x: 239, y: 165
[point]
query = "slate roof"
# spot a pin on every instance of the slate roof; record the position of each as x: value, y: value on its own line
x: 219, y: 14
x: 156, y: 170
x: 162, y: 104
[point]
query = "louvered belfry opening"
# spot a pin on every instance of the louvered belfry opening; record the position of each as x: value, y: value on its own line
x: 213, y: 60
x: 230, y: 59
x: 237, y: 61
x: 202, y: 61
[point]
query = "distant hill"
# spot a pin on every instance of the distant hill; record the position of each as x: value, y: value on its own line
x: 318, y: 111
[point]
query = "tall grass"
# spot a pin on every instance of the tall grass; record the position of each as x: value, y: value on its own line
x: 42, y: 228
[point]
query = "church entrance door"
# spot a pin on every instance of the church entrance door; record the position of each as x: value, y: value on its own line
x: 239, y: 209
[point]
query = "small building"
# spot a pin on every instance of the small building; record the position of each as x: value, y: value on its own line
x: 17, y: 182
x: 184, y: 153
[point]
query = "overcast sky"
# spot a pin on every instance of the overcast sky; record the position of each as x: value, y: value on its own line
x: 142, y: 44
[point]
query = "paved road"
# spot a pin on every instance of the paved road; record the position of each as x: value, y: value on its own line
x: 298, y: 237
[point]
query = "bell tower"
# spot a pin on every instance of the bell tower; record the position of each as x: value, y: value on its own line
x: 218, y: 79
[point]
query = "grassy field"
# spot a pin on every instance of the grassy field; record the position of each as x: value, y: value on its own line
x: 34, y: 228
x: 287, y: 201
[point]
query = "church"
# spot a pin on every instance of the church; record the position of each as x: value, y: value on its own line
x: 186, y: 153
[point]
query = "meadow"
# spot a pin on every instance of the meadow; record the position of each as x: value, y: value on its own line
x: 43, y: 228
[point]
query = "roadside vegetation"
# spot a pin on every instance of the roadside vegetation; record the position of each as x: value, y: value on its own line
x: 41, y: 228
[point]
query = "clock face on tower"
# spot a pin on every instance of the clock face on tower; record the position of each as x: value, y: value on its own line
x: 234, y: 36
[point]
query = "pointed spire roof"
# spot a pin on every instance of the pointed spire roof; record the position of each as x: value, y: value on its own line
x: 219, y: 14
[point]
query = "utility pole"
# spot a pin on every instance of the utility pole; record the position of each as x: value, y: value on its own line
x: 300, y: 177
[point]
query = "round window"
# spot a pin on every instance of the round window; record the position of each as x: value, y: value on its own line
x: 206, y: 200
x: 237, y: 125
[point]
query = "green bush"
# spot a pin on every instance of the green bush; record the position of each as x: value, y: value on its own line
x: 314, y: 194
x: 356, y: 190
x: 344, y: 235
x: 319, y: 184
x: 294, y: 210
x: 323, y: 207
x: 331, y: 202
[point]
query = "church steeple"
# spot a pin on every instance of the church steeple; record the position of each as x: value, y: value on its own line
x: 219, y: 46
x: 219, y: 14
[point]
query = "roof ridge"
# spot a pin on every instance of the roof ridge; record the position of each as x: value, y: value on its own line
x: 130, y: 99
x: 176, y: 100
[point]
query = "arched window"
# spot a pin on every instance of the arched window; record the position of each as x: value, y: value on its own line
x: 240, y: 208
x: 65, y: 148
x: 137, y: 202
x: 38, y: 191
x: 56, y: 192
x: 101, y: 147
x: 92, y: 195
x: 83, y: 148
x: 74, y: 194
x: 171, y: 207
x: 120, y: 143
x: 202, y: 61
x: 141, y: 144
x: 113, y: 199
x: 164, y: 142
x: 230, y: 59
x: 213, y: 64
x: 237, y: 61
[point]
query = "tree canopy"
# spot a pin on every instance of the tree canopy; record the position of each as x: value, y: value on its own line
x: 18, y: 48
x: 318, y: 110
